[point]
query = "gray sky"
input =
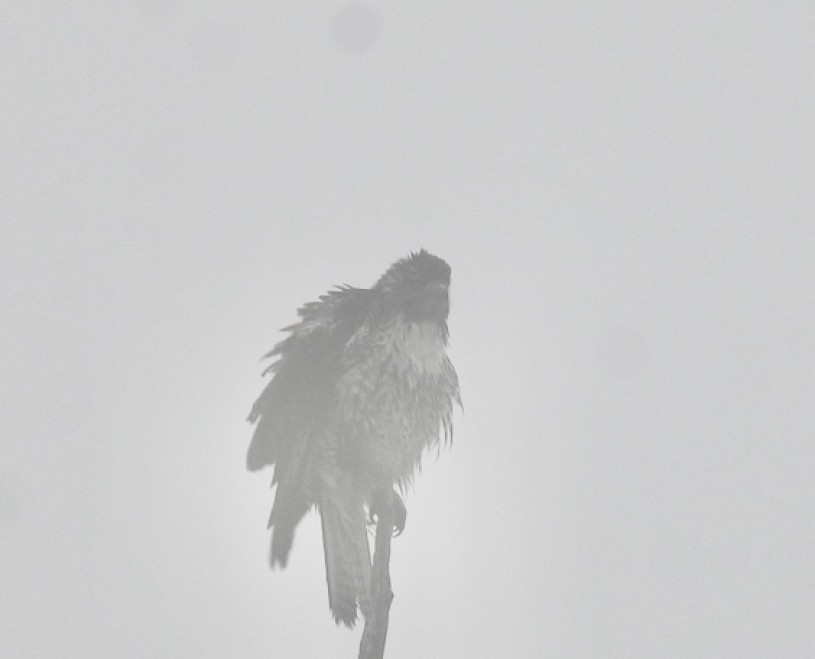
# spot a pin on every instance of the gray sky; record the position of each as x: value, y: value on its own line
x: 625, y: 193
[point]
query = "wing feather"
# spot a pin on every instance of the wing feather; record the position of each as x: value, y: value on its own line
x: 293, y: 409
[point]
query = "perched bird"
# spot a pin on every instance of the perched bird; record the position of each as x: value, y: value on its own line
x: 360, y: 387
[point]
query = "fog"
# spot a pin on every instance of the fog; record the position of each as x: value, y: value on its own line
x: 625, y: 194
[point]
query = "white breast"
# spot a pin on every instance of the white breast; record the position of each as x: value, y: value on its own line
x: 420, y: 346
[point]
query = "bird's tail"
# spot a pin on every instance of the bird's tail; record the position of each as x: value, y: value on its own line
x: 347, y: 557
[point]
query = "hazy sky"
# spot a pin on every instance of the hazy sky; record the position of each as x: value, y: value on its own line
x: 626, y: 195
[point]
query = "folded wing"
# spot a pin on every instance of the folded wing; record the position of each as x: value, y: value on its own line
x: 294, y: 408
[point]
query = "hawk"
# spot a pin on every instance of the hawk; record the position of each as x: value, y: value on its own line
x: 360, y: 388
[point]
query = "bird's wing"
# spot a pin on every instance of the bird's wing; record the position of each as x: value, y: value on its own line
x: 293, y: 408
x: 294, y: 403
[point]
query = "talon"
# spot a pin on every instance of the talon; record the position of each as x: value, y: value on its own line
x: 382, y: 498
x: 399, y: 515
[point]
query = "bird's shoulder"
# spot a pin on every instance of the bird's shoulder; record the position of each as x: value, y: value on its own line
x: 307, y: 363
x: 324, y: 328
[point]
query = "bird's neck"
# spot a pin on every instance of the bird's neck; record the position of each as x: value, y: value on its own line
x: 420, y: 346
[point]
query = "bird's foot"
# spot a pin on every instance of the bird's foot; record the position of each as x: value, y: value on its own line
x: 389, y: 500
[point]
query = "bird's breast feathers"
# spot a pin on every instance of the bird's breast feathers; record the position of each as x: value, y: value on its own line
x: 417, y: 347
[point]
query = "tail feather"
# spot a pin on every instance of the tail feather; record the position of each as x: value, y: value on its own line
x: 347, y: 558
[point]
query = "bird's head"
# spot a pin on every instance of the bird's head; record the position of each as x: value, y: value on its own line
x: 417, y: 287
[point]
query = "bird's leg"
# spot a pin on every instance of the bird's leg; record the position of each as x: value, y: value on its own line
x: 399, y: 513
x: 388, y: 497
